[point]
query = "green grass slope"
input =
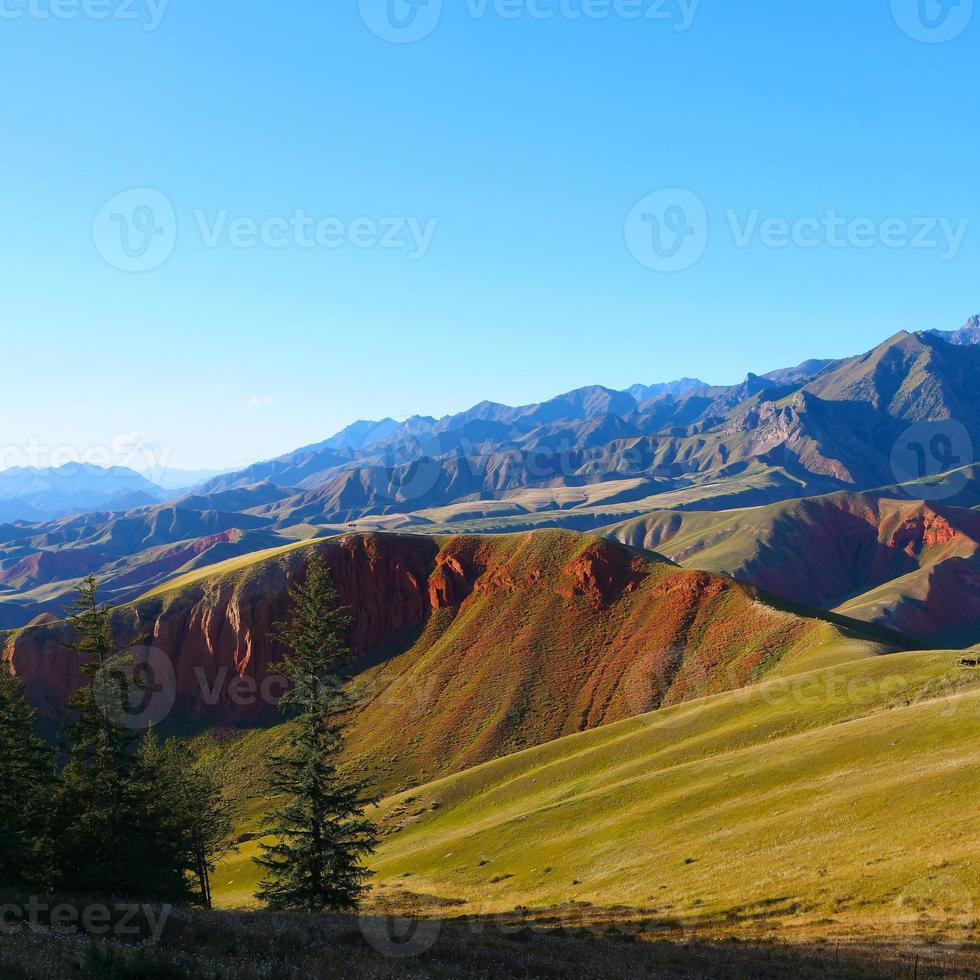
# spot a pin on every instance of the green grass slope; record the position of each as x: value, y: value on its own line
x: 843, y: 796
x: 832, y: 800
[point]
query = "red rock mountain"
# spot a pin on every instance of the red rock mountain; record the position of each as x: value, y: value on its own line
x: 468, y: 647
x: 908, y: 565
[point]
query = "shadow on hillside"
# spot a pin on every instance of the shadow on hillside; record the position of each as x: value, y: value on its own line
x: 555, y: 943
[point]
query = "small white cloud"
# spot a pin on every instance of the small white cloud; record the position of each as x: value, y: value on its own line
x: 138, y: 451
x: 133, y: 443
x: 258, y: 401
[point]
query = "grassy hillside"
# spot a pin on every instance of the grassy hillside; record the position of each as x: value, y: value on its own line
x: 798, y: 800
x: 468, y: 648
x: 825, y: 801
x: 907, y: 564
x: 531, y: 637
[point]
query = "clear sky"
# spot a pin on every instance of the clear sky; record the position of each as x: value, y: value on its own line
x: 466, y: 221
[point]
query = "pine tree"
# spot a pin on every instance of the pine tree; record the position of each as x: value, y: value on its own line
x: 109, y: 837
x: 194, y: 819
x: 321, y: 831
x: 27, y: 768
x: 167, y: 850
x: 135, y: 820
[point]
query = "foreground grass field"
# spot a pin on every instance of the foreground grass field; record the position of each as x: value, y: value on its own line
x: 840, y: 802
x: 264, y: 946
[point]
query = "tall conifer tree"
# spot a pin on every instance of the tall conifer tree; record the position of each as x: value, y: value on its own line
x: 322, y: 834
x: 27, y: 770
x: 95, y: 808
x: 193, y: 819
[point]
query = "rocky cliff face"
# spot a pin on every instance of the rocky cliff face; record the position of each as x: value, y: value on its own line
x: 468, y: 647
x: 214, y: 633
x: 217, y: 629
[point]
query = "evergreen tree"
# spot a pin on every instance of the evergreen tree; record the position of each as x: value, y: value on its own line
x: 112, y: 839
x: 27, y: 770
x: 193, y: 817
x: 166, y: 853
x: 135, y: 820
x: 321, y: 831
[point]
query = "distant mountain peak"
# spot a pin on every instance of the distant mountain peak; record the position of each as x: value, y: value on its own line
x: 967, y: 335
x: 681, y: 386
x: 360, y: 433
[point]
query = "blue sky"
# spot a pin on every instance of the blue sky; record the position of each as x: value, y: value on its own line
x: 516, y: 146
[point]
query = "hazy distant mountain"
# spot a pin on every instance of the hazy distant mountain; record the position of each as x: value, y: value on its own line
x: 33, y: 493
x: 169, y: 478
x: 969, y: 333
x: 822, y: 420
x: 286, y: 471
x: 360, y: 434
x: 16, y: 509
x: 680, y: 387
x: 571, y: 419
x: 824, y: 424
x: 802, y: 372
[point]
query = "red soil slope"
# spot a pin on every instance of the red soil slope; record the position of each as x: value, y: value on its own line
x: 469, y: 647
x: 43, y: 567
x: 906, y: 564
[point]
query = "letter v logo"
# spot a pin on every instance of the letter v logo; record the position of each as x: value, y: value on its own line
x: 401, y: 21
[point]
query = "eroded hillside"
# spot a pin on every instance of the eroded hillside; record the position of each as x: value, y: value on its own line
x: 468, y: 648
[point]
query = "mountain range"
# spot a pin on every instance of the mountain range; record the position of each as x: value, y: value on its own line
x: 631, y: 464
x: 39, y: 493
x: 822, y: 426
